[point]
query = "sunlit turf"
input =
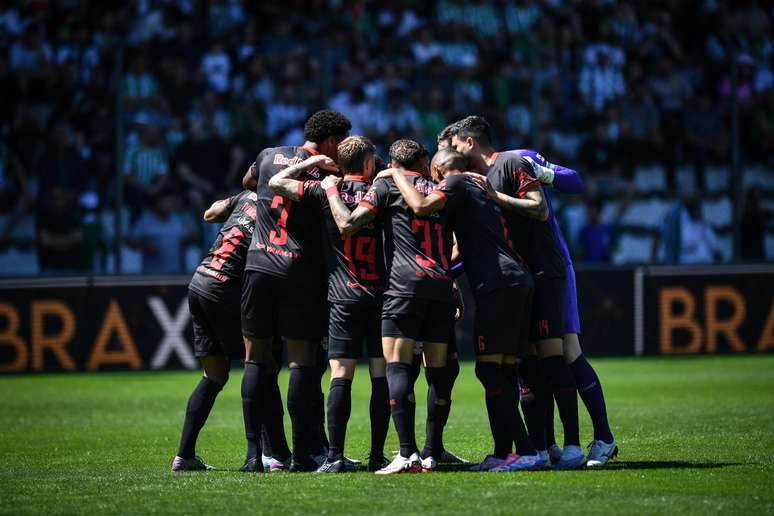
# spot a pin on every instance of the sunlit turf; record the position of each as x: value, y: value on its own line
x: 696, y: 436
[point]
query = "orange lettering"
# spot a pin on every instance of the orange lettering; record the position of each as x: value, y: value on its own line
x: 671, y: 321
x: 729, y: 326
x: 56, y: 343
x: 11, y: 338
x: 766, y: 342
x: 114, y: 323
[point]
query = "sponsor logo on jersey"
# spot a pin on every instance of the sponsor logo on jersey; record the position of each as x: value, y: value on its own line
x: 281, y: 159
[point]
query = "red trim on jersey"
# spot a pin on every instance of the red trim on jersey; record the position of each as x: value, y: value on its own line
x: 310, y: 150
x: 368, y: 205
x: 493, y: 158
x: 411, y: 173
x: 300, y: 190
x: 356, y: 178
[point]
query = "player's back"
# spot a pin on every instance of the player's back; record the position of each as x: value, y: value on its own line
x: 533, y: 239
x: 482, y: 235
x: 286, y: 241
x: 355, y: 262
x: 417, y: 250
x: 219, y: 275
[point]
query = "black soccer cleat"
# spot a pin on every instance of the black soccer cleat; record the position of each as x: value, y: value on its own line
x: 336, y: 466
x: 252, y: 465
x: 375, y: 463
x: 306, y: 466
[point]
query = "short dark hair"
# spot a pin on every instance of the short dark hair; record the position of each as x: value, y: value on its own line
x: 446, y: 133
x: 325, y: 123
x: 449, y: 159
x: 473, y: 126
x: 353, y: 153
x: 407, y: 153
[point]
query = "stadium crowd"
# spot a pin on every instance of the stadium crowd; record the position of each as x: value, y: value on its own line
x: 178, y: 96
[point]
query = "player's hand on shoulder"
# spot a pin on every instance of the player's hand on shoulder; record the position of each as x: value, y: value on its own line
x: 386, y: 174
x: 330, y: 181
x: 321, y: 161
x: 483, y: 182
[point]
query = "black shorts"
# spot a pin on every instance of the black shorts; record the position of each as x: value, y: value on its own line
x: 419, y: 319
x: 351, y: 326
x: 273, y: 306
x: 215, y: 327
x: 501, y: 323
x: 547, y: 320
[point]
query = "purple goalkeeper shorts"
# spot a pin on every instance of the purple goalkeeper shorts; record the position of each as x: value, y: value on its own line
x: 571, y: 316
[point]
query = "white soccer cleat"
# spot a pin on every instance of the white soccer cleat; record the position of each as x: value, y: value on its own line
x: 600, y: 453
x: 554, y: 453
x: 572, y: 458
x: 488, y: 463
x: 402, y: 464
x: 429, y: 464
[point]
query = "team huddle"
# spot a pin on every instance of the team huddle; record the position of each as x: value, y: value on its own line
x: 330, y: 253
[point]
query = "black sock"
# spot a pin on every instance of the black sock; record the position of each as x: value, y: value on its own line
x: 401, y: 406
x: 319, y: 438
x: 590, y: 391
x: 550, y: 434
x: 533, y: 402
x: 561, y: 383
x: 198, y: 409
x: 379, y: 410
x: 339, y: 409
x: 438, y: 405
x: 254, y: 394
x: 300, y: 393
x: 500, y: 404
x: 521, y: 439
x: 274, y: 422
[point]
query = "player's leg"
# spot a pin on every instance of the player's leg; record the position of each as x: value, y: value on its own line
x: 401, y: 324
x: 604, y: 447
x: 201, y: 400
x: 276, y: 452
x: 509, y: 334
x: 318, y: 443
x: 258, y: 328
x: 379, y: 406
x: 439, y: 396
x: 302, y: 390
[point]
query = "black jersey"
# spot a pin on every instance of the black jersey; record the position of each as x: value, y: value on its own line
x: 417, y: 250
x: 355, y: 262
x: 219, y: 276
x: 482, y: 235
x: 287, y: 239
x: 532, y: 239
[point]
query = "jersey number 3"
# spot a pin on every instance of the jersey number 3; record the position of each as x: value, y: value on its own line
x: 281, y: 237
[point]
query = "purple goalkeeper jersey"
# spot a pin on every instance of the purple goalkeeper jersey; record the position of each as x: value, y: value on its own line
x: 568, y: 181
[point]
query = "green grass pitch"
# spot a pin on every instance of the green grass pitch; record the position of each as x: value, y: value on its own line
x: 696, y: 436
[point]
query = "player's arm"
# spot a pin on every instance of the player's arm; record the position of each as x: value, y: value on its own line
x: 218, y: 212
x: 419, y: 204
x: 532, y: 204
x: 347, y: 221
x: 566, y: 180
x: 284, y: 183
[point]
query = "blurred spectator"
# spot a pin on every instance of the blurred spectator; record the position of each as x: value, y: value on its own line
x: 706, y: 138
x: 596, y: 238
x: 754, y: 219
x: 640, y: 131
x: 762, y: 135
x: 216, y: 65
x: 30, y: 55
x: 598, y: 154
x: 60, y: 237
x: 686, y: 238
x: 146, y: 168
x: 601, y: 80
x: 161, y: 234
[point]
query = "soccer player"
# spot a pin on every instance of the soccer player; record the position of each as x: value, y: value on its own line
x: 526, y: 213
x: 502, y: 290
x: 417, y: 300
x: 603, y: 447
x: 213, y: 299
x: 282, y: 289
x: 355, y: 287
